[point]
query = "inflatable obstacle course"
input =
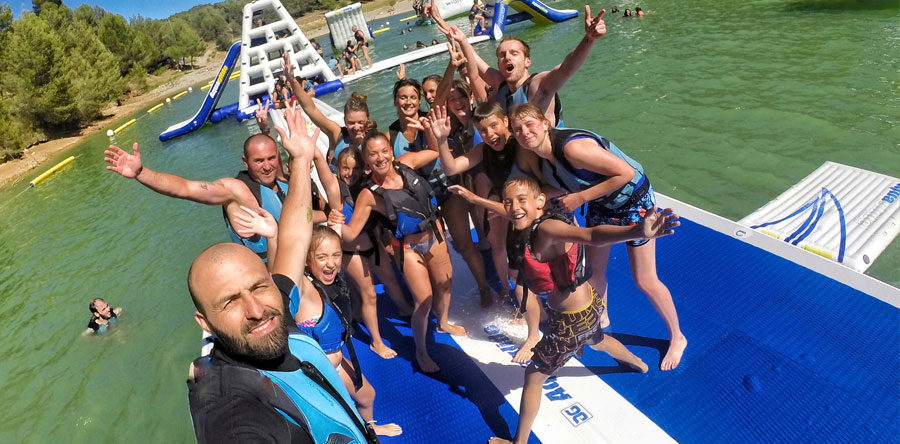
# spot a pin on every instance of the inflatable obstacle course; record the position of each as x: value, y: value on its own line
x: 341, y: 23
x: 533, y: 10
x: 846, y: 214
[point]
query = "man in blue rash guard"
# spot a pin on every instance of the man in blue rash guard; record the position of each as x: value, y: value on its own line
x: 264, y: 381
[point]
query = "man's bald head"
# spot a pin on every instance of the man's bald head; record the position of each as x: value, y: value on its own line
x: 217, y: 269
x: 258, y: 140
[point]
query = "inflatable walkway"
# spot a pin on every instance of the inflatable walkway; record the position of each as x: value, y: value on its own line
x: 533, y: 10
x: 212, y: 97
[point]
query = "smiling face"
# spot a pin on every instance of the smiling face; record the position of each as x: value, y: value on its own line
x: 512, y: 60
x: 524, y: 203
x: 429, y: 87
x: 494, y: 131
x: 459, y: 105
x: 237, y: 300
x: 261, y: 159
x: 407, y: 102
x: 348, y: 170
x: 378, y: 154
x: 324, y: 260
x: 355, y: 122
x: 530, y: 131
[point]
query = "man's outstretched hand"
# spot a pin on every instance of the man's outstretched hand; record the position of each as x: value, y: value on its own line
x: 128, y: 165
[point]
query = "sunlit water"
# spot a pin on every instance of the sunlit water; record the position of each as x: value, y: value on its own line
x: 726, y: 104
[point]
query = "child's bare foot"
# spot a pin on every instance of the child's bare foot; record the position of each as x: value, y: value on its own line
x: 426, y: 364
x: 387, y: 429
x: 525, y: 351
x: 673, y: 356
x: 383, y: 350
x: 455, y: 330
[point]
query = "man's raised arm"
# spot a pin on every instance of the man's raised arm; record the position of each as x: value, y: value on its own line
x: 550, y: 82
x: 295, y: 227
x: 220, y: 192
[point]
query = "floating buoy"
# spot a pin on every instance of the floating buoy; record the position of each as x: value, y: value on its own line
x: 190, y: 89
x: 155, y: 108
x: 179, y: 95
x: 409, y: 18
x: 124, y: 125
x: 205, y: 87
x: 47, y: 173
x: 379, y: 31
x: 168, y: 100
x: 110, y: 133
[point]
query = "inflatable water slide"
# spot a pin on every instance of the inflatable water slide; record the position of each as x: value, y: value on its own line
x: 212, y: 98
x: 534, y: 10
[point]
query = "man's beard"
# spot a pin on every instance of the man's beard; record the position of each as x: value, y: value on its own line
x: 267, y: 348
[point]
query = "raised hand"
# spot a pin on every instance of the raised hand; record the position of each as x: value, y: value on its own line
x: 439, y: 122
x: 659, y: 223
x: 299, y: 145
x: 262, y: 116
x: 401, y: 74
x: 461, y: 191
x: 456, y: 34
x: 286, y: 66
x: 128, y: 165
x: 594, y: 27
x: 457, y: 58
x: 571, y: 202
x: 248, y: 222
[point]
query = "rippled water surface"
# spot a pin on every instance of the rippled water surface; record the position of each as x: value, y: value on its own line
x: 726, y: 104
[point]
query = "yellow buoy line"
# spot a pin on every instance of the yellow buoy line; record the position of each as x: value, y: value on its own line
x: 379, y: 31
x: 49, y: 172
x: 113, y: 132
x: 409, y: 18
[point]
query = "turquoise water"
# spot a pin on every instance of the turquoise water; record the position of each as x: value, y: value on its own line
x: 725, y: 104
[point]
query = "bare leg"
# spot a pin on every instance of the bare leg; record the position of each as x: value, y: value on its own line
x: 455, y: 212
x: 497, y: 239
x: 358, y: 270
x: 599, y: 258
x: 366, y: 55
x: 643, y: 270
x: 533, y: 320
x: 530, y: 404
x: 387, y: 277
x: 420, y: 285
x: 441, y: 271
x: 364, y: 399
x: 617, y: 350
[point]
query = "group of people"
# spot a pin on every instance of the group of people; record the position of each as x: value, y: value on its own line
x: 281, y: 298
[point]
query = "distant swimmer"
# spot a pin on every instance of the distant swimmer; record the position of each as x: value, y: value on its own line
x: 627, y: 13
x: 615, y: 9
x: 638, y: 12
x: 102, y: 316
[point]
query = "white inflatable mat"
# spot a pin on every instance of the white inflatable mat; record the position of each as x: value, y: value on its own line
x: 846, y: 214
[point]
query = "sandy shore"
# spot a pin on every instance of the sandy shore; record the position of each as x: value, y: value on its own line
x: 313, y: 25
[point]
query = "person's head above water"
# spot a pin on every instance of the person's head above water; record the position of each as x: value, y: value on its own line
x: 100, y: 308
x: 513, y: 59
x: 261, y: 159
x: 523, y: 201
x: 237, y: 300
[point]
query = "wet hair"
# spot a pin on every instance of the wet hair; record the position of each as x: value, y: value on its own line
x: 433, y: 77
x: 372, y: 135
x: 407, y: 82
x: 434, y: 42
x: 527, y: 182
x: 638, y: 9
x: 350, y: 152
x: 92, y: 306
x: 526, y: 110
x: 357, y: 102
x: 463, y: 87
x: 524, y: 45
x: 257, y: 138
x: 488, y: 109
x: 319, y: 234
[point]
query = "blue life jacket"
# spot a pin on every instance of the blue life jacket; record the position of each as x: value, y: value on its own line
x: 508, y: 99
x: 269, y: 200
x: 564, y: 176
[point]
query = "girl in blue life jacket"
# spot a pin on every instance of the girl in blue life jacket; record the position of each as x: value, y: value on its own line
x: 587, y: 168
x: 396, y: 192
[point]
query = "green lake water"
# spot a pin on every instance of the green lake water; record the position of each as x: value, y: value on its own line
x: 726, y: 104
